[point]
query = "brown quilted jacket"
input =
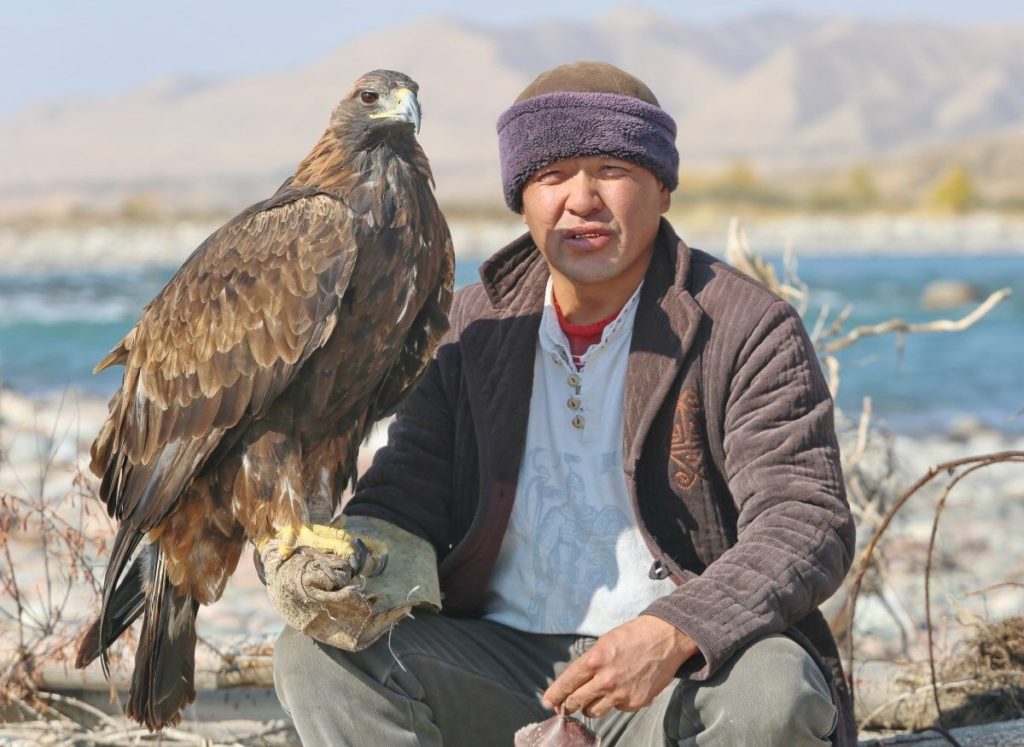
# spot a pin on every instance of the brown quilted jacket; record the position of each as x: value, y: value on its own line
x: 730, y: 453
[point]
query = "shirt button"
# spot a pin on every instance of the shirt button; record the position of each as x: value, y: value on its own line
x: 573, y: 403
x: 574, y: 381
x: 578, y: 422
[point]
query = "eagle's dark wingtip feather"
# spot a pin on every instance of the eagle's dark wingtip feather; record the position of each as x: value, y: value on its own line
x: 89, y: 648
x: 124, y: 608
x: 162, y: 683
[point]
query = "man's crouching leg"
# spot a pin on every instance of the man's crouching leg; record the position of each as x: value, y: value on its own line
x: 436, y: 679
x: 769, y: 693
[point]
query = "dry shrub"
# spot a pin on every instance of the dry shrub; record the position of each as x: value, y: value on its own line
x: 39, y: 620
x: 981, y: 682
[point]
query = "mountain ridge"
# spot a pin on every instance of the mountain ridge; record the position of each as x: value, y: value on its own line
x: 780, y: 90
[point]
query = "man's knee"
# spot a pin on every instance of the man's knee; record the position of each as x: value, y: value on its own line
x: 293, y: 655
x: 772, y: 688
x: 304, y: 668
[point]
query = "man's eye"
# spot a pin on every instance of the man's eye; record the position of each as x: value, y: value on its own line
x: 369, y: 97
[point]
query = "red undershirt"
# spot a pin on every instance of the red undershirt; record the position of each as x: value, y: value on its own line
x: 581, y: 336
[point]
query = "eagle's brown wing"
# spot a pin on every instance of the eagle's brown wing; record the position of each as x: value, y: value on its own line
x: 214, y: 349
x: 428, y: 328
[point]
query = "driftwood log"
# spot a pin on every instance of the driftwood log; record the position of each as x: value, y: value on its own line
x: 235, y: 705
x: 999, y: 734
x: 255, y: 672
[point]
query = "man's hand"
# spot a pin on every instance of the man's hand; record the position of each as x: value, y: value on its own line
x: 625, y: 669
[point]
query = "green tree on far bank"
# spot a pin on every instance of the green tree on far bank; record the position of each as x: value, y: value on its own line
x: 953, y: 192
x: 861, y: 190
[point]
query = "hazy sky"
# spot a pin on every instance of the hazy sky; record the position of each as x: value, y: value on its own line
x: 53, y: 50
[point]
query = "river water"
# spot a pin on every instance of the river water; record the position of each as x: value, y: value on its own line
x: 56, y: 324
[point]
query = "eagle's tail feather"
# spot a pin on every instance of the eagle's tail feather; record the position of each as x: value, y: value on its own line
x: 124, y: 608
x: 164, y: 679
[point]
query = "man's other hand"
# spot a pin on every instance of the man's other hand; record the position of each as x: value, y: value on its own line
x: 625, y: 669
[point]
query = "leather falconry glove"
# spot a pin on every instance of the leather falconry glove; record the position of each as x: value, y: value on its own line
x: 349, y: 598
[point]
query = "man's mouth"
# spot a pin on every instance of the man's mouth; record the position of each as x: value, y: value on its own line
x: 587, y: 237
x: 586, y: 232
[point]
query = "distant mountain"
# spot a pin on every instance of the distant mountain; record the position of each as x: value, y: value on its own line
x: 779, y: 90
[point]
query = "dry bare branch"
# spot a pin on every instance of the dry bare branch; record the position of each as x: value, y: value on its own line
x: 863, y: 428
x: 739, y: 255
x: 832, y: 367
x: 901, y: 327
x: 928, y: 586
x: 863, y: 561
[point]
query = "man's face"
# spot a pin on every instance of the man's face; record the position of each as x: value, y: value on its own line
x: 594, y: 219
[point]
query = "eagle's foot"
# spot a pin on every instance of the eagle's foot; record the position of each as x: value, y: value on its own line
x: 364, y: 556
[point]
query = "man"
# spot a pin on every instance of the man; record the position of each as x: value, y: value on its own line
x: 623, y: 455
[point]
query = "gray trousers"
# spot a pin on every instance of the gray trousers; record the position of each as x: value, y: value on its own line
x: 440, y: 680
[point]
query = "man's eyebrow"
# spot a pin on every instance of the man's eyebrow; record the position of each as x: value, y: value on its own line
x: 544, y: 170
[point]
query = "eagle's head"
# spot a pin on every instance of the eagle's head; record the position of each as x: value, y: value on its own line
x: 381, y: 104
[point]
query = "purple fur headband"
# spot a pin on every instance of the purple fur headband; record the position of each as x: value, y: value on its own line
x: 564, y: 124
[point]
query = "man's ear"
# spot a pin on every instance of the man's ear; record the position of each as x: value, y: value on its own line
x: 664, y: 198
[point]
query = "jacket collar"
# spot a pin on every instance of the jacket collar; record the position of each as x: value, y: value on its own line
x: 667, y: 320
x: 504, y: 272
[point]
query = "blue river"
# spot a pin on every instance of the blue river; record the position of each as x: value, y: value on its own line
x: 54, y: 326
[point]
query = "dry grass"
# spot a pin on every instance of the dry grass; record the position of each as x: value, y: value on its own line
x: 981, y: 682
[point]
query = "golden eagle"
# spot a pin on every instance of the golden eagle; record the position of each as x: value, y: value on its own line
x: 253, y: 376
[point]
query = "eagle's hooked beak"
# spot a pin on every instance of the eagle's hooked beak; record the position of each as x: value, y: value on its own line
x: 404, y: 107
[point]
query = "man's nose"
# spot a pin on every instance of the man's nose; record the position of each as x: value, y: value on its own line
x: 583, y: 197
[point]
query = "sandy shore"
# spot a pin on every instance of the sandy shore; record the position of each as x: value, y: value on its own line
x: 167, y: 244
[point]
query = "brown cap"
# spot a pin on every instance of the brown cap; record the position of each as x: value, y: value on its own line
x: 589, y: 77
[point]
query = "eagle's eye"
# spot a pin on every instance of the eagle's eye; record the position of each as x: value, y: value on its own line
x: 369, y: 97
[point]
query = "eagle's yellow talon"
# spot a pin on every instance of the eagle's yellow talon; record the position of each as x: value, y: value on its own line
x: 330, y: 538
